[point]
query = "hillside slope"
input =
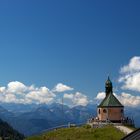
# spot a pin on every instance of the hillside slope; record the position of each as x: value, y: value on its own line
x: 82, y: 133
x: 8, y: 133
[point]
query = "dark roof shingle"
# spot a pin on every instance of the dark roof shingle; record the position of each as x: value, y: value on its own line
x: 110, y: 101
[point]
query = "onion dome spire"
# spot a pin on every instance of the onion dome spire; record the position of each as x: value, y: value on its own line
x: 108, y: 87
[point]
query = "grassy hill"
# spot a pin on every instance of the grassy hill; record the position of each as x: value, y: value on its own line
x: 81, y: 133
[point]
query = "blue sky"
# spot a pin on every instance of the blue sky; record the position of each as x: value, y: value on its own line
x: 75, y: 42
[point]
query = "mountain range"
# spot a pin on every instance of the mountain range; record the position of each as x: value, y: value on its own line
x: 34, y: 119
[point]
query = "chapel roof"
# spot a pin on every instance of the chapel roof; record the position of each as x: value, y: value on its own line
x: 110, y: 101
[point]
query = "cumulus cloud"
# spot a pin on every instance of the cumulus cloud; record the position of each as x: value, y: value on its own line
x: 17, y: 92
x: 126, y: 99
x: 2, y: 89
x: 100, y: 96
x: 77, y: 98
x: 133, y: 66
x: 10, y: 98
x: 41, y: 95
x: 130, y: 75
x: 16, y: 87
x: 61, y: 88
x: 68, y: 96
x: 131, y: 81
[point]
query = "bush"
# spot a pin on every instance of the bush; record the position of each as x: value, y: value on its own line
x: 87, y: 126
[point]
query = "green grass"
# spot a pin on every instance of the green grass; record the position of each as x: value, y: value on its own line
x: 82, y: 133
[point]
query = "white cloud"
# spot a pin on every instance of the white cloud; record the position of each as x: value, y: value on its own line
x: 130, y: 75
x: 10, y: 98
x: 17, y: 92
x: 77, y: 98
x: 68, y: 96
x: 100, y: 96
x: 133, y: 66
x: 16, y: 87
x: 2, y: 89
x: 80, y: 99
x: 126, y: 99
x: 61, y: 88
x: 41, y: 95
x: 131, y: 81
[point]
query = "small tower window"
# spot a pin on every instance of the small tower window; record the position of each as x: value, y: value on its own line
x: 99, y: 111
x: 121, y: 110
x: 104, y: 111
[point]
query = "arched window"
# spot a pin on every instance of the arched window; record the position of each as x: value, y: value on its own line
x: 104, y: 111
x: 99, y: 111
